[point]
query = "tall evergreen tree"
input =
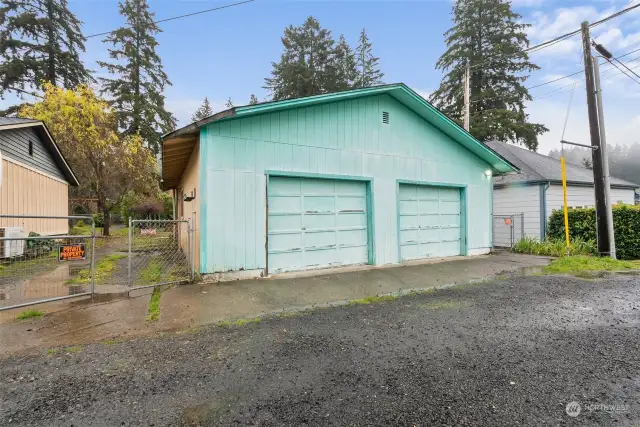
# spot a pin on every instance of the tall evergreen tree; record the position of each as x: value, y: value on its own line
x: 203, y: 111
x: 367, y: 66
x: 307, y: 65
x: 40, y: 42
x: 137, y: 87
x: 345, y: 64
x: 490, y: 37
x: 253, y: 100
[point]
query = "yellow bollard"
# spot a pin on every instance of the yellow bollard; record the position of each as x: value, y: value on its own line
x: 564, y: 195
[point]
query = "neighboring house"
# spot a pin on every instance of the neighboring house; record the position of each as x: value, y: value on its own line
x: 368, y: 176
x: 537, y: 189
x: 35, y: 177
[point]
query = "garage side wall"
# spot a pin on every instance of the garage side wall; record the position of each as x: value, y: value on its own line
x: 190, y: 184
x: 340, y: 138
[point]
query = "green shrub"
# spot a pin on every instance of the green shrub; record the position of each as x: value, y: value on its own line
x: 555, y: 247
x: 582, y: 225
x: 99, y: 219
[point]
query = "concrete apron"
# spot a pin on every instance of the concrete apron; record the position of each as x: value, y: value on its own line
x: 194, y: 305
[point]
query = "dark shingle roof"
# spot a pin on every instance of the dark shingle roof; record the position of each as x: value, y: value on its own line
x: 15, y: 121
x: 538, y: 167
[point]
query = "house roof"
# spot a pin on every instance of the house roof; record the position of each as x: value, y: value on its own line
x: 535, y: 167
x: 181, y: 138
x: 8, y: 123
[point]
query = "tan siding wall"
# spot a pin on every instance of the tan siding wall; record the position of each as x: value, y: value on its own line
x: 189, y: 182
x: 27, y: 192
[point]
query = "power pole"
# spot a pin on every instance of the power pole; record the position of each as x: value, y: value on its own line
x: 602, y: 227
x: 605, y: 157
x: 466, y: 97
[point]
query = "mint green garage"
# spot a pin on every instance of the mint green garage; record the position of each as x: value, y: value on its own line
x: 368, y: 176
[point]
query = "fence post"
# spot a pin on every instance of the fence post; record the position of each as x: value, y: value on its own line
x: 189, y: 249
x: 93, y: 256
x: 129, y: 260
x: 511, y: 228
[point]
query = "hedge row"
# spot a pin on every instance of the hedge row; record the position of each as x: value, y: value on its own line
x: 582, y: 224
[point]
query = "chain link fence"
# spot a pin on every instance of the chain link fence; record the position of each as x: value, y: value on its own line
x: 160, y: 253
x: 38, y: 268
x: 507, y: 230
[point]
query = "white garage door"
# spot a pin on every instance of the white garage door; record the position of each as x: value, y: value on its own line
x: 316, y: 223
x: 429, y: 219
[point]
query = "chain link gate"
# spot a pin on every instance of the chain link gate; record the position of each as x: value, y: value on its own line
x: 507, y: 230
x: 160, y: 253
x: 38, y: 268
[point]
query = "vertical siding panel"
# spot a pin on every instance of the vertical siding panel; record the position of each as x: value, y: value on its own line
x: 250, y: 241
x: 239, y: 221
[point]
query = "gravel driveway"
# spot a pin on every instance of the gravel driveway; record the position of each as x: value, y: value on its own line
x: 510, y: 352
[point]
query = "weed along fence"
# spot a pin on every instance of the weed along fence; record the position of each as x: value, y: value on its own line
x: 37, y: 266
x: 507, y: 230
x: 160, y: 252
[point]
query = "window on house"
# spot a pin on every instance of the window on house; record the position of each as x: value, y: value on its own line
x: 31, y: 148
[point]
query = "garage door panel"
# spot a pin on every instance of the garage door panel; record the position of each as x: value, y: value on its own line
x: 285, y: 204
x: 285, y: 241
x: 312, y: 204
x: 312, y: 222
x: 429, y: 221
x: 352, y: 255
x: 284, y: 222
x: 449, y: 207
x: 319, y: 239
x: 329, y: 218
x: 450, y: 248
x: 312, y: 187
x: 351, y: 204
x: 427, y: 193
x: 348, y: 220
x: 429, y: 235
x: 352, y: 237
x: 450, y: 233
x: 408, y: 221
x: 285, y: 186
x: 408, y: 207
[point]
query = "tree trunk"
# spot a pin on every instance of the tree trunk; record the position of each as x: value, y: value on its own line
x: 107, y: 220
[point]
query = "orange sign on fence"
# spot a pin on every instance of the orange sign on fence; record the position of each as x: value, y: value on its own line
x: 72, y: 252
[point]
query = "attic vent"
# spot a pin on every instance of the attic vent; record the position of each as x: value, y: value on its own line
x: 385, y: 117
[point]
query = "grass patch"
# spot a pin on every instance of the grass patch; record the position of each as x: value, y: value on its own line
x: 16, y: 267
x: 576, y: 264
x: 154, y: 305
x: 373, y: 300
x: 557, y: 247
x: 73, y: 349
x: 29, y: 314
x: 151, y: 273
x: 103, y: 271
x: 286, y: 314
x: 109, y: 342
x: 52, y: 351
x: 239, y: 322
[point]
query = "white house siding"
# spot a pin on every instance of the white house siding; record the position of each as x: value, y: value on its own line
x: 520, y: 199
x: 583, y: 197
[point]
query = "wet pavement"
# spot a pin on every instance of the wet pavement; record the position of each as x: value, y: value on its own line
x: 188, y: 306
x: 516, y: 351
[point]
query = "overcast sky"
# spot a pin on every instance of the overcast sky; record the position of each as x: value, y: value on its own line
x: 229, y: 53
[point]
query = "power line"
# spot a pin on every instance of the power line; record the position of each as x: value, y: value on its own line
x: 625, y: 73
x: 563, y: 37
x: 625, y: 66
x: 173, y: 18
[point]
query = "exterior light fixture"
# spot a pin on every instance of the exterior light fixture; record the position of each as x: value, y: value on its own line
x: 487, y: 172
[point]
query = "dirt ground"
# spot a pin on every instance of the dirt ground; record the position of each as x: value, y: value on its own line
x: 510, y: 352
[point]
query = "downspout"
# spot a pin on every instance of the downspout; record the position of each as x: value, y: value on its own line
x: 543, y: 210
